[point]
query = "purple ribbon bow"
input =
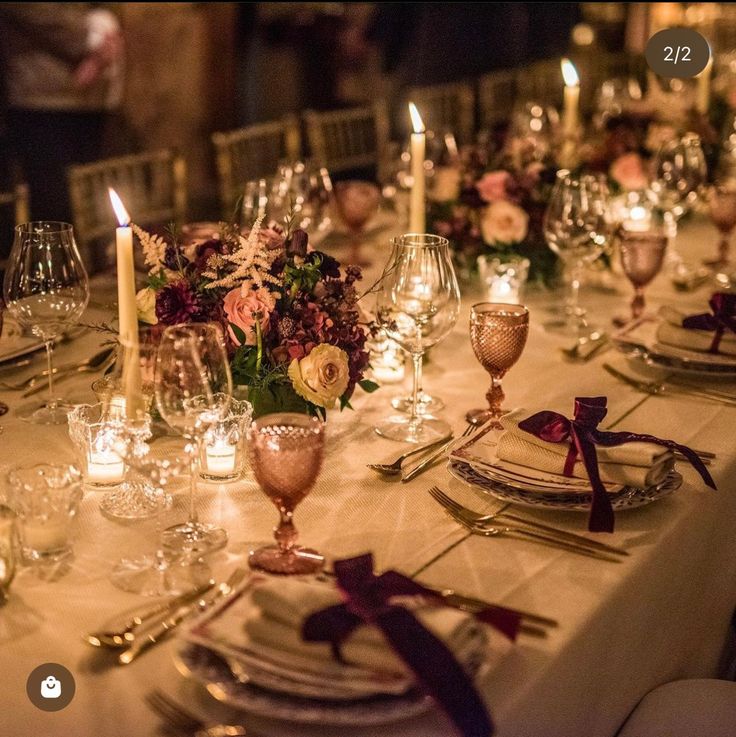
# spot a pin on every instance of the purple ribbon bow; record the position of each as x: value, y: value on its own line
x: 722, y: 318
x: 583, y: 435
x: 368, y: 600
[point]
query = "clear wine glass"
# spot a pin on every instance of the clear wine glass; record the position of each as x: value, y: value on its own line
x: 679, y: 174
x: 285, y: 451
x: 418, y: 306
x: 192, y: 377
x: 577, y: 226
x: 46, y: 289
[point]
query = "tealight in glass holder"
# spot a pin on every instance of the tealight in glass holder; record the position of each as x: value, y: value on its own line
x: 221, y: 450
x: 503, y: 280
x: 386, y: 357
x: 97, y: 437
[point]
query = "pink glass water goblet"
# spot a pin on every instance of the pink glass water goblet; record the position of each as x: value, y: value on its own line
x: 721, y: 206
x: 285, y: 451
x: 357, y: 202
x: 642, y: 257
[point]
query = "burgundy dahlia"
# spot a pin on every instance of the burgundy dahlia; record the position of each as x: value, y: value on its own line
x: 177, y: 303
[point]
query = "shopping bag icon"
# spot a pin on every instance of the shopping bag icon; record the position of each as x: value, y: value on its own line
x: 50, y: 688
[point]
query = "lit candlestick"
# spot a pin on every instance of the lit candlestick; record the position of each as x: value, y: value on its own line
x: 127, y: 309
x: 105, y: 467
x: 702, y: 94
x: 220, y: 458
x: 572, y: 98
x: 417, y: 215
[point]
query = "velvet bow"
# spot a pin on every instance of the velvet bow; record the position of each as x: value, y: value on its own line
x: 583, y: 435
x: 368, y: 599
x: 722, y: 318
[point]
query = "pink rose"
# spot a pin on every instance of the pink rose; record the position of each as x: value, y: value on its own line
x: 244, y: 310
x: 628, y: 171
x: 492, y: 186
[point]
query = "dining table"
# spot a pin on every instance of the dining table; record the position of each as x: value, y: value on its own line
x: 662, y: 613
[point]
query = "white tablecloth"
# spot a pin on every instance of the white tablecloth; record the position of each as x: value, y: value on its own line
x: 661, y: 614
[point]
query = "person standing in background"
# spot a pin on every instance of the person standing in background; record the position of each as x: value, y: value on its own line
x: 62, y: 66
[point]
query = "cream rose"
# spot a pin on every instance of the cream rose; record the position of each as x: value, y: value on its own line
x: 322, y: 376
x: 445, y: 184
x: 504, y: 222
x: 145, y: 302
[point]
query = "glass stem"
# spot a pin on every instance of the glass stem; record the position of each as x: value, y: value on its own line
x: 285, y: 534
x: 417, y: 362
x: 418, y: 380
x: 192, y: 451
x: 723, y: 248
x: 574, y: 298
x: 637, y: 304
x: 51, y: 404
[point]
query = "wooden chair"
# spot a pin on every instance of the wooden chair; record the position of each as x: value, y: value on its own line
x: 345, y: 140
x: 496, y: 97
x: 541, y: 82
x: 152, y: 186
x: 17, y: 199
x: 253, y: 152
x: 446, y: 107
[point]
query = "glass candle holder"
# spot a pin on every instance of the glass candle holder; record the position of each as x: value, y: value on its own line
x: 386, y: 358
x: 8, y: 550
x: 503, y: 279
x: 94, y: 434
x: 222, y: 451
x: 46, y: 499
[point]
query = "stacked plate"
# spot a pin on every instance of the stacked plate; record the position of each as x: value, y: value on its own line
x: 264, y: 681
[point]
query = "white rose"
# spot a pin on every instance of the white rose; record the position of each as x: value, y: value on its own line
x: 445, y: 185
x: 504, y: 222
x: 322, y: 376
x: 145, y: 302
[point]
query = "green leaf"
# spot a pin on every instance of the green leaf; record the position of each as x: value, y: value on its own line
x: 276, y: 398
x: 368, y: 386
x: 239, y: 334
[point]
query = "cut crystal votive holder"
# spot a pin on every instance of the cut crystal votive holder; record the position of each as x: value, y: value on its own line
x: 503, y: 280
x: 45, y: 499
x: 222, y: 448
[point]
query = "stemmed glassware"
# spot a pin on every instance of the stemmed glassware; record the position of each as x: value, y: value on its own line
x: 498, y: 334
x: 46, y: 289
x: 193, y: 386
x: 642, y: 256
x: 285, y: 451
x: 721, y: 203
x: 356, y: 202
x: 577, y: 226
x: 418, y: 306
x: 679, y: 175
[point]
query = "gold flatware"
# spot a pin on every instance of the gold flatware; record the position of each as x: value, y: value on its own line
x: 181, y: 720
x: 658, y: 388
x: 477, y: 518
x: 587, y: 347
x: 394, y: 468
x: 125, y: 636
x: 99, y: 362
x: 158, y: 632
x: 427, y: 462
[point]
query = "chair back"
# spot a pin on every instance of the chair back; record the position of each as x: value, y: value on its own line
x: 541, y: 82
x: 496, y: 97
x: 355, y: 138
x: 253, y: 152
x: 17, y: 200
x: 446, y: 107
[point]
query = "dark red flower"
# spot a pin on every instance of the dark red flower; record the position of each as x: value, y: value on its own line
x: 178, y: 303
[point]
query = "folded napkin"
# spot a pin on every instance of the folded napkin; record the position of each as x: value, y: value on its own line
x: 283, y: 605
x: 671, y: 332
x: 634, y: 463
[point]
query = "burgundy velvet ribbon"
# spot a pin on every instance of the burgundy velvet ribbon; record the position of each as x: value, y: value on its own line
x: 368, y: 600
x: 583, y: 436
x: 723, y: 317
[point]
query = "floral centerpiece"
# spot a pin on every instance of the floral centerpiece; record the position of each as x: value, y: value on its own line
x: 290, y: 314
x: 494, y: 207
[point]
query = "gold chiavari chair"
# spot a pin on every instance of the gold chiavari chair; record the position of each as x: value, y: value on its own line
x: 540, y: 82
x: 355, y: 138
x: 17, y: 199
x: 447, y: 107
x: 253, y: 152
x: 496, y: 97
x: 152, y: 186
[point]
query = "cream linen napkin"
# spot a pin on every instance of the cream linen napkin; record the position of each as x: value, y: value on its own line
x: 632, y: 464
x: 283, y: 605
x: 671, y: 332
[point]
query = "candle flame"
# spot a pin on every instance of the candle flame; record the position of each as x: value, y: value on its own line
x: 569, y: 73
x: 117, y: 204
x: 416, y: 119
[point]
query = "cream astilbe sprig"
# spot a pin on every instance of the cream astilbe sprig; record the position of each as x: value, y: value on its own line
x: 252, y: 260
x: 154, y: 247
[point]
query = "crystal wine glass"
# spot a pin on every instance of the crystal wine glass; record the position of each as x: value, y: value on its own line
x: 418, y: 306
x: 192, y: 375
x: 46, y: 289
x: 577, y: 226
x: 498, y: 334
x: 721, y: 201
x: 356, y: 202
x: 642, y: 256
x: 285, y: 451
